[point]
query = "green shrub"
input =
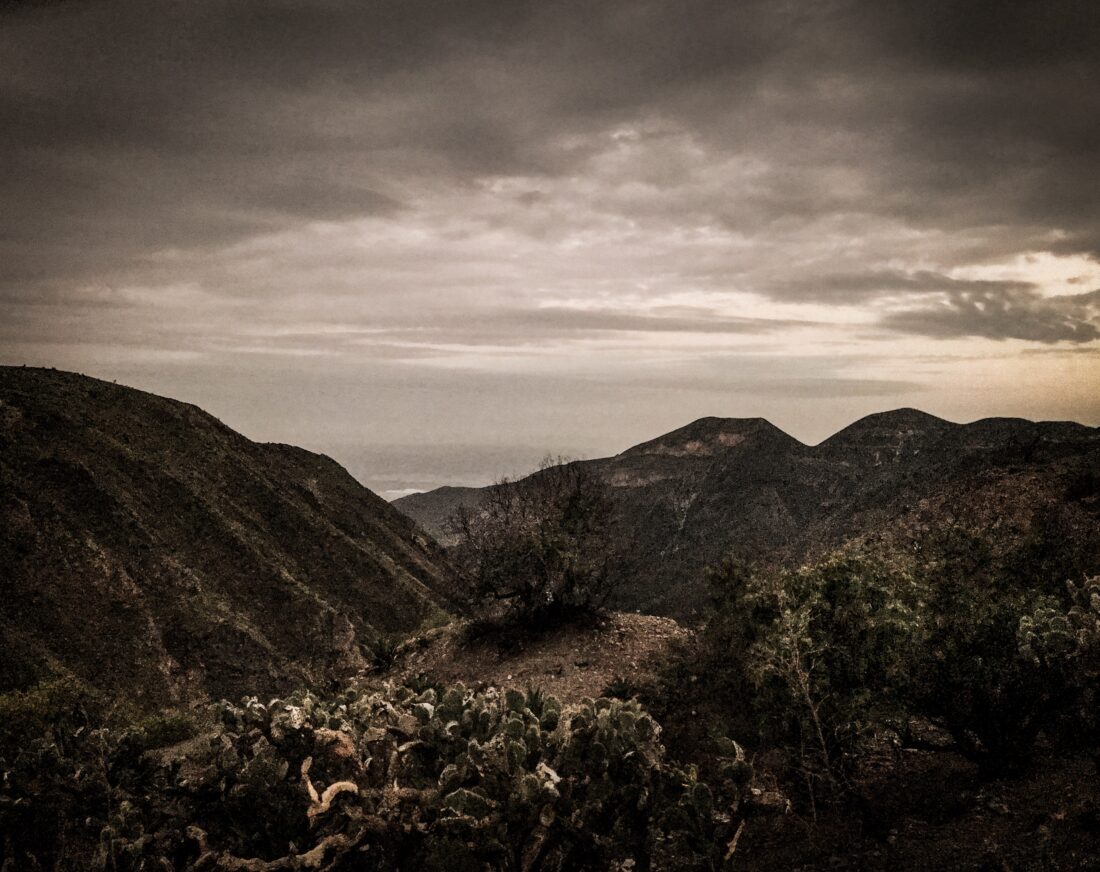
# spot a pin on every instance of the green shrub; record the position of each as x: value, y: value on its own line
x: 1066, y: 642
x: 819, y: 655
x: 169, y: 728
x: 622, y: 688
x: 986, y: 666
x: 972, y: 680
x: 55, y: 706
x: 863, y: 646
x: 383, y: 652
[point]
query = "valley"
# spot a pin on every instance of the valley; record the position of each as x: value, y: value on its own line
x: 718, y: 649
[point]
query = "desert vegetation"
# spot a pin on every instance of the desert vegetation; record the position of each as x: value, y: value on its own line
x: 827, y: 661
x: 798, y: 684
x: 396, y: 778
x: 843, y: 676
x: 921, y: 695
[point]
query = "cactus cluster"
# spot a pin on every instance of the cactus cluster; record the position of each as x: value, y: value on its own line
x: 1051, y: 633
x: 430, y: 778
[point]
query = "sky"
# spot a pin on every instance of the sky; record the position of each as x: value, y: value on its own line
x: 438, y: 240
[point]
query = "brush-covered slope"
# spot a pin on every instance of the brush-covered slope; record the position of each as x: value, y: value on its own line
x: 149, y: 550
x: 720, y: 486
x: 434, y: 509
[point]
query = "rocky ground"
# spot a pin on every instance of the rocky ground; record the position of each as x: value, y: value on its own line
x: 568, y: 662
x: 932, y: 811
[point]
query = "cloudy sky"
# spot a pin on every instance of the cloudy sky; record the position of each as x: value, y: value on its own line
x: 438, y: 239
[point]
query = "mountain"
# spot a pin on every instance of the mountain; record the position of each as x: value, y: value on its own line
x: 720, y: 485
x: 433, y: 509
x: 149, y: 550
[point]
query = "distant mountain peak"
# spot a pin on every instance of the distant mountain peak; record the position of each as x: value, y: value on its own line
x: 887, y: 426
x: 718, y: 486
x: 709, y: 436
x: 903, y: 417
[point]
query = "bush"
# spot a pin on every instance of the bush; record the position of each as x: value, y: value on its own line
x: 972, y: 680
x: 163, y: 730
x: 541, y: 548
x: 820, y: 655
x: 383, y: 653
x: 864, y: 647
x: 57, y: 706
x: 984, y: 666
x: 621, y: 687
x: 1066, y: 642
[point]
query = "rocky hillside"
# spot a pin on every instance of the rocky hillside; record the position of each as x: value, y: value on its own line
x: 722, y: 485
x: 148, y: 548
x: 433, y: 509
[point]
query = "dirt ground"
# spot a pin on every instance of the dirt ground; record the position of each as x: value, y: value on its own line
x: 932, y: 812
x: 569, y: 662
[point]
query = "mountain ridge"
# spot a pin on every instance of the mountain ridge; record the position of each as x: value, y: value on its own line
x: 685, y: 499
x: 148, y: 546
x: 708, y: 435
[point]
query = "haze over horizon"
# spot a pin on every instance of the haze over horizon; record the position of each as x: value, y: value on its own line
x: 440, y: 240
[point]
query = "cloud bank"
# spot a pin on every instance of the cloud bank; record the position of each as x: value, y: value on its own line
x: 557, y: 223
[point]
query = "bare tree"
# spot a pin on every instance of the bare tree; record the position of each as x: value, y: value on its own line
x: 539, y: 548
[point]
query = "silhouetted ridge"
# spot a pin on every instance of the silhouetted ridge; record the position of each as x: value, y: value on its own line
x: 1054, y: 431
x: 718, y: 486
x: 711, y: 435
x: 888, y: 426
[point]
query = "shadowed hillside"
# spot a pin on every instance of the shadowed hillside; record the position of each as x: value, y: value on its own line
x: 146, y: 546
x: 719, y: 485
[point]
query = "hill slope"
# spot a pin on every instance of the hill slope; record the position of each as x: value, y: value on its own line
x: 718, y: 485
x: 149, y: 549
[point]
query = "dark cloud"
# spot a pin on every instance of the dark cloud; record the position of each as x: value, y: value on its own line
x: 663, y: 320
x: 549, y: 188
x: 129, y: 127
x: 858, y: 287
x: 1017, y: 313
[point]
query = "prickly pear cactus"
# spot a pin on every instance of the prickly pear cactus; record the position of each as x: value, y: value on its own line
x: 392, y: 779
